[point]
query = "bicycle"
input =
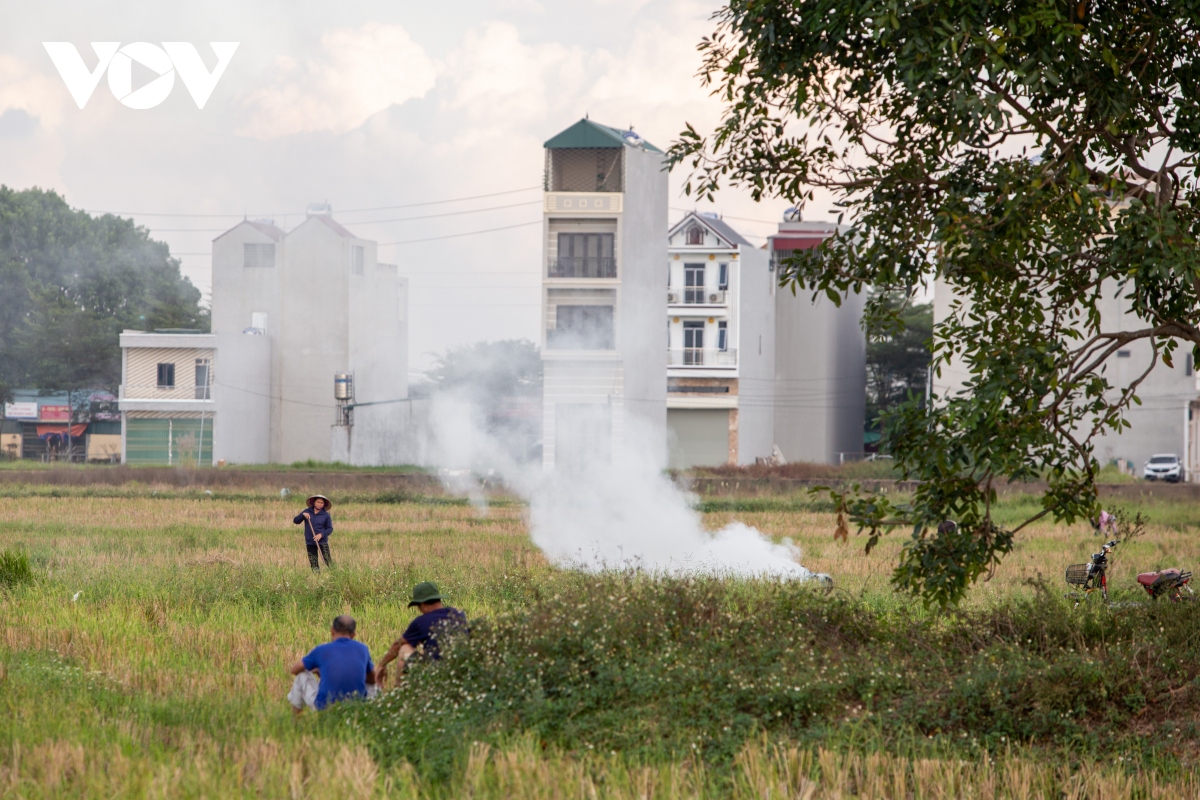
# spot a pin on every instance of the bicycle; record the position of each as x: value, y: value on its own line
x: 1092, y: 576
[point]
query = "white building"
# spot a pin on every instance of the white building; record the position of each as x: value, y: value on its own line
x: 323, y: 303
x: 604, y: 349
x: 1166, y: 421
x: 721, y: 340
x: 193, y: 399
x: 754, y: 367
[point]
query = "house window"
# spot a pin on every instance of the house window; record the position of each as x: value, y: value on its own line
x: 722, y: 336
x: 357, y: 259
x: 695, y: 235
x: 693, y: 283
x: 1124, y: 354
x: 693, y: 343
x: 585, y: 255
x: 166, y: 376
x: 203, y: 379
x: 587, y: 327
x: 258, y: 255
x: 723, y: 277
x: 1188, y: 365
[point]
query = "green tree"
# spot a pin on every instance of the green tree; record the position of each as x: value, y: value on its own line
x: 70, y: 283
x: 1035, y: 156
x: 898, y: 361
x: 489, y: 370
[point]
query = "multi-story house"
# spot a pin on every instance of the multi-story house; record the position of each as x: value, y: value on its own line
x: 721, y: 345
x: 754, y: 367
x: 326, y: 305
x: 604, y: 349
x: 193, y: 399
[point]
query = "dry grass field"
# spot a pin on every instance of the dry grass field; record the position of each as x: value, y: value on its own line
x: 148, y: 656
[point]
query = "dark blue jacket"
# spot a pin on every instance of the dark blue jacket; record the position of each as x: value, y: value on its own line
x: 320, y: 523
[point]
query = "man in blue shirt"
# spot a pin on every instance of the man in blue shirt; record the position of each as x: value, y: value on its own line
x: 344, y: 667
x: 435, y: 620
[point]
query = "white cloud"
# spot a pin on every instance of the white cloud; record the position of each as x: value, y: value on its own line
x: 357, y: 74
x: 36, y: 93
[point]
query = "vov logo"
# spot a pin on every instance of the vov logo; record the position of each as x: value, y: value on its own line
x: 165, y: 61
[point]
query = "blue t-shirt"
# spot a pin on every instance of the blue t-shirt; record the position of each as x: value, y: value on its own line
x: 424, y: 629
x: 344, y: 664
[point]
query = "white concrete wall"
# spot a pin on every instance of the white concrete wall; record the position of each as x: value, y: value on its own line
x: 755, y: 342
x: 643, y: 264
x: 385, y: 435
x: 820, y: 394
x: 242, y: 393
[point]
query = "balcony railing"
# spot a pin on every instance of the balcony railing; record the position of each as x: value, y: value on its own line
x: 582, y: 267
x: 153, y: 392
x: 696, y: 296
x: 700, y: 357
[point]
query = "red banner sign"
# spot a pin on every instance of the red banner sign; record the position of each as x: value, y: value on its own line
x: 55, y: 414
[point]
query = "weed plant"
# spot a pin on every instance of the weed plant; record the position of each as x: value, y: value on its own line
x: 14, y: 568
x: 660, y: 669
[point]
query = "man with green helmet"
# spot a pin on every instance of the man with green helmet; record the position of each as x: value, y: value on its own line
x: 436, y: 619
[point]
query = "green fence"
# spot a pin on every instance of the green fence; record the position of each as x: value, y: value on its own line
x: 180, y: 442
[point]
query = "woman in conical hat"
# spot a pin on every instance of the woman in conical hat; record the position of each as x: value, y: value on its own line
x: 318, y: 527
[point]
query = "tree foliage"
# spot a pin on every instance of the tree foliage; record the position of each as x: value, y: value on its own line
x: 1038, y: 158
x: 507, y: 368
x: 69, y: 284
x: 898, y: 360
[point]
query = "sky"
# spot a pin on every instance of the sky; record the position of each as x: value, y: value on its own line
x: 420, y: 123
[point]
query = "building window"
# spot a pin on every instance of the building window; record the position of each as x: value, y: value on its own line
x: 1188, y: 365
x: 693, y: 343
x: 203, y: 379
x: 258, y: 255
x: 166, y: 376
x: 695, y: 235
x: 722, y: 336
x: 723, y: 277
x: 587, y: 327
x: 585, y: 255
x: 357, y: 259
x: 693, y: 284
x: 1124, y: 354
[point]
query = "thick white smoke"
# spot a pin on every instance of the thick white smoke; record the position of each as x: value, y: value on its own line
x: 626, y: 513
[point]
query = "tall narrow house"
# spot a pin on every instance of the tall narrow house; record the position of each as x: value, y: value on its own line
x: 605, y: 346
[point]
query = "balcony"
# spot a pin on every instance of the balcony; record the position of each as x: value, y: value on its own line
x: 699, y: 357
x: 696, y: 296
x: 582, y: 267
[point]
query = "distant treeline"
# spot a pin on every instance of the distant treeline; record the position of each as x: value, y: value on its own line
x: 70, y: 282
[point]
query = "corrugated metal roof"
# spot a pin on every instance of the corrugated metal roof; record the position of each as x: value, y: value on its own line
x: 586, y: 133
x: 718, y: 226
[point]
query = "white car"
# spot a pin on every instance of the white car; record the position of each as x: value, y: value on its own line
x: 1164, y: 466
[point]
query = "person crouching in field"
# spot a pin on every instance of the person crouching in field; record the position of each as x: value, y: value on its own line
x: 435, y: 620
x: 318, y: 526
x: 343, y: 670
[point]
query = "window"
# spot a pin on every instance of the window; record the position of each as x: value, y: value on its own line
x: 258, y: 255
x: 585, y: 255
x: 166, y: 376
x: 203, y: 379
x: 695, y: 235
x: 582, y: 328
x: 1188, y: 366
x: 723, y: 277
x: 722, y: 336
x: 1124, y: 354
x: 693, y: 283
x: 693, y: 342
x: 357, y: 259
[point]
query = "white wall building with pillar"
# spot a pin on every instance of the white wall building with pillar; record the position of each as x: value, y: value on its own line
x: 604, y: 349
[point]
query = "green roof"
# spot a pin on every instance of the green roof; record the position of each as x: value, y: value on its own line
x: 586, y: 133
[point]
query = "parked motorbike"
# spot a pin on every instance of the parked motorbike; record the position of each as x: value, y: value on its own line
x: 1092, y: 576
x: 1169, y: 582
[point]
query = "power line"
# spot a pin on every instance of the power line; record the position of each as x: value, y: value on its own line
x: 468, y: 233
x: 301, y: 213
x: 369, y: 221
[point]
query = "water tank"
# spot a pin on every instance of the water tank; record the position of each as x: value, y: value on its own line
x: 343, y: 386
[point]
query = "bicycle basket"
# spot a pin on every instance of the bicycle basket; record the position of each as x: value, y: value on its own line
x: 1077, y: 574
